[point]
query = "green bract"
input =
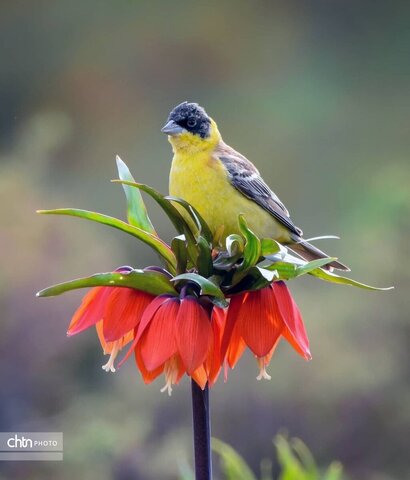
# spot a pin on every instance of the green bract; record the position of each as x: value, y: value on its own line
x: 194, y: 260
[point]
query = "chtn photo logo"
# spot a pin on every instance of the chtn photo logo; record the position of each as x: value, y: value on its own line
x: 16, y: 442
x: 20, y: 446
x: 23, y: 442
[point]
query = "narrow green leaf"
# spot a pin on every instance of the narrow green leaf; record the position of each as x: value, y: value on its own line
x: 136, y: 211
x: 147, y: 281
x: 234, y: 244
x: 202, y: 226
x: 225, y: 262
x: 173, y: 214
x: 334, y: 472
x: 284, y: 256
x: 334, y: 278
x: 269, y: 247
x: 204, y: 260
x: 320, y: 262
x: 306, y: 457
x: 252, y: 250
x: 259, y: 277
x: 291, y: 466
x: 207, y: 287
x: 268, y: 275
x: 152, y: 240
x: 233, y: 465
x: 286, y: 271
x: 254, y: 278
x: 179, y: 248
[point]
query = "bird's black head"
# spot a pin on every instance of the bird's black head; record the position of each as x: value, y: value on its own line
x: 190, y: 117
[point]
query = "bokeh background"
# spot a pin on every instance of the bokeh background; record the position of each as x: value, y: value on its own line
x: 316, y: 93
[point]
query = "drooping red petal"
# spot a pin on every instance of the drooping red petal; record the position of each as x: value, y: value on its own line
x: 149, y: 313
x: 145, y: 320
x: 126, y: 339
x: 260, y: 321
x: 231, y: 320
x: 158, y: 343
x: 123, y: 311
x: 213, y: 361
x: 108, y: 346
x: 267, y: 358
x: 294, y: 332
x: 235, y: 349
x: 219, y: 316
x: 193, y: 334
x: 181, y: 368
x: 200, y: 376
x: 147, y: 376
x: 90, y: 311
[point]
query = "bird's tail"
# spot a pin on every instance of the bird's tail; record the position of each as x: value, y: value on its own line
x: 309, y: 252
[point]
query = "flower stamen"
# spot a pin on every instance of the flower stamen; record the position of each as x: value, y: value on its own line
x: 263, y: 374
x: 109, y: 366
x: 171, y: 375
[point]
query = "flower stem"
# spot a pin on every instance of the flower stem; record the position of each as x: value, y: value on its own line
x: 202, y: 432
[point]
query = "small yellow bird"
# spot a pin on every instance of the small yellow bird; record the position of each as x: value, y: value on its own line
x: 221, y: 183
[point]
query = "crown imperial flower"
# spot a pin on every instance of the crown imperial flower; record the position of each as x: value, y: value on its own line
x: 204, y: 307
x: 201, y: 309
x: 258, y: 319
x: 115, y: 311
x: 177, y: 336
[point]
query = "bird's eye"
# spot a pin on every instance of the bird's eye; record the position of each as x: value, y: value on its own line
x: 191, y: 122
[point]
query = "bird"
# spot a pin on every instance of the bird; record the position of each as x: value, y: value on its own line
x: 221, y: 183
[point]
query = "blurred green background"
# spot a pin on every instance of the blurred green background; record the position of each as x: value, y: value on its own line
x: 316, y: 93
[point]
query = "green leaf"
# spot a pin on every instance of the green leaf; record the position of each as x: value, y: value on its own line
x: 334, y: 472
x: 234, y: 244
x: 291, y: 469
x: 204, y: 260
x: 207, y: 287
x: 309, y: 266
x: 136, y: 211
x: 233, y: 465
x: 334, y: 278
x: 286, y: 271
x: 269, y: 247
x: 305, y: 456
x: 224, y: 262
x: 255, y: 278
x: 179, y: 248
x: 284, y: 256
x: 252, y: 250
x: 147, y: 281
x: 173, y: 214
x: 200, y: 223
x: 259, y: 277
x: 152, y: 240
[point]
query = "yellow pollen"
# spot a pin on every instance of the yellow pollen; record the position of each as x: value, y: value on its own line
x: 109, y: 366
x: 171, y: 375
x: 263, y: 374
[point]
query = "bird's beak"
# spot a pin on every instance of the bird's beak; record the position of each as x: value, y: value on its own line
x: 172, y: 128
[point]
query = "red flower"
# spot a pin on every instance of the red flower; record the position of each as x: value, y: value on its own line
x: 178, y: 336
x: 115, y: 311
x: 258, y: 319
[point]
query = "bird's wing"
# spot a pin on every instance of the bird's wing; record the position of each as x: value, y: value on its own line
x: 246, y: 178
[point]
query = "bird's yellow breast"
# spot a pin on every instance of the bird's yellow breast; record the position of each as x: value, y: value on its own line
x: 202, y: 180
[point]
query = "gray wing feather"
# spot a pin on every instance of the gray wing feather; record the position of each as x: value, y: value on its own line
x: 245, y: 177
